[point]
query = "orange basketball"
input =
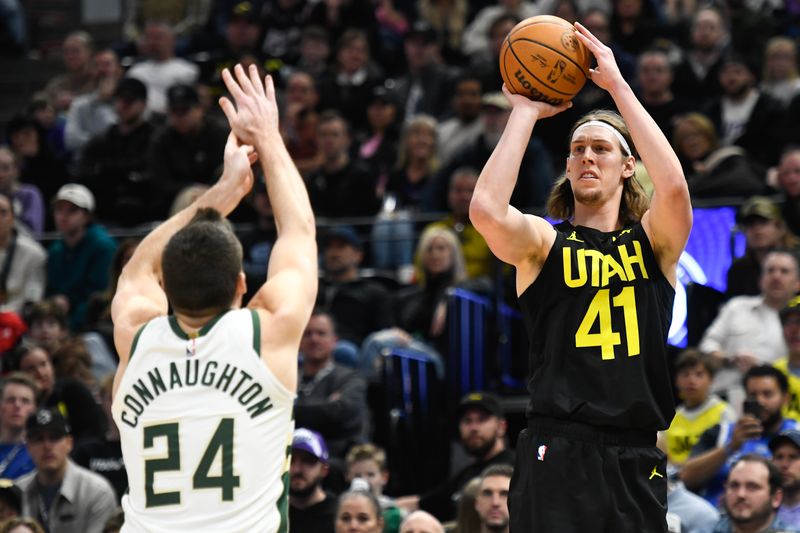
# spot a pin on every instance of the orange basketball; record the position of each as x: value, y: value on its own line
x: 542, y: 59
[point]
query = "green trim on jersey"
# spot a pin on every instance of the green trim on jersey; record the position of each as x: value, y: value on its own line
x: 176, y: 328
x: 136, y: 341
x: 256, y: 332
x: 283, y: 500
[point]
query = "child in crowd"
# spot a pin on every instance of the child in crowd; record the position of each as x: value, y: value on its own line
x: 367, y: 462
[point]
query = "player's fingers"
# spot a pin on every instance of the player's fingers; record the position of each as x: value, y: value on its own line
x: 228, y: 109
x: 232, y: 86
x: 252, y: 157
x: 255, y: 79
x: 270, y: 85
x: 582, y: 30
x: 244, y: 81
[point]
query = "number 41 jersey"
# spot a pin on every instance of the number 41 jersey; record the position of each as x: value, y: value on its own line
x: 598, y: 317
x: 205, y: 429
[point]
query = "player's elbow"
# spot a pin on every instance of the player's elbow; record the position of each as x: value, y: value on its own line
x: 482, y: 212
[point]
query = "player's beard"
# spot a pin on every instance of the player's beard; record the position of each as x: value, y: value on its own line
x: 587, y: 197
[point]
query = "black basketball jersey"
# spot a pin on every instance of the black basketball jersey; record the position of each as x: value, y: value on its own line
x: 597, y: 318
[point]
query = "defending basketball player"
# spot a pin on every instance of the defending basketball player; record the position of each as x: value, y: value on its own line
x: 596, y: 293
x: 203, y: 398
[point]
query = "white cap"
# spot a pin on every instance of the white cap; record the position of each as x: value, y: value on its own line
x: 76, y: 194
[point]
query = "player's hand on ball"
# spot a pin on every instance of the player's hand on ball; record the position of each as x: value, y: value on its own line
x: 256, y: 110
x: 543, y: 109
x: 606, y: 74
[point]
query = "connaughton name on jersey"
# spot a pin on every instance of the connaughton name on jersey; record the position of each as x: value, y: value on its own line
x: 191, y: 373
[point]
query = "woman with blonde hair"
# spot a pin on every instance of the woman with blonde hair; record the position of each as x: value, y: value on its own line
x: 21, y: 525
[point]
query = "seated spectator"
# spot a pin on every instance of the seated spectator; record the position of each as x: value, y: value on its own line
x: 491, y: 501
x: 785, y: 449
x: 76, y: 53
x: 58, y: 493
x: 367, y: 462
x: 476, y: 33
x: 467, y: 518
x: 720, y: 446
x: 787, y: 180
x: 465, y: 125
x: 22, y: 262
x: 29, y: 210
x: 790, y: 365
x: 187, y: 150
x: 780, y: 78
x: 115, y: 164
x: 21, y: 525
x: 699, y: 409
x: 37, y: 163
x: 17, y: 402
x: 73, y: 361
x: 482, y: 431
x: 686, y: 511
x: 752, y: 497
x: 713, y: 170
x: 448, y: 20
x: 358, y: 508
x: 315, y: 51
x: 160, y: 69
x: 422, y: 522
x: 11, y: 506
x: 654, y: 74
x: 764, y: 230
x: 79, y: 261
x: 331, y: 399
x: 378, y: 147
x: 300, y: 121
x: 310, y: 507
x: 485, y: 62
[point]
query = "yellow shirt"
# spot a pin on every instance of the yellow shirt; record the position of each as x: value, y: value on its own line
x: 689, y: 424
x: 793, y: 409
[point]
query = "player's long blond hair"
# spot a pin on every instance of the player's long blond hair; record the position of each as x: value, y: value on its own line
x: 634, y: 203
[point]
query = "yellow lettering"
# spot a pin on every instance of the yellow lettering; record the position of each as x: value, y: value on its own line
x: 628, y: 261
x: 597, y: 258
x: 611, y: 268
x: 581, y: 260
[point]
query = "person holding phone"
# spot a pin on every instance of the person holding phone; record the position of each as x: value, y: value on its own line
x: 719, y: 447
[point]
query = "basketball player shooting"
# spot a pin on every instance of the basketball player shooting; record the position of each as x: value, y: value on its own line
x: 203, y: 398
x: 596, y: 291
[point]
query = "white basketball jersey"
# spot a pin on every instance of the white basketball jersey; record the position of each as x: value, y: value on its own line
x: 205, y: 429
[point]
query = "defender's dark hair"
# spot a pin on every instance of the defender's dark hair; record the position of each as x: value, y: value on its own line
x: 201, y: 265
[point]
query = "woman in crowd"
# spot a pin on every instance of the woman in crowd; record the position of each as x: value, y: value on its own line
x: 358, y: 512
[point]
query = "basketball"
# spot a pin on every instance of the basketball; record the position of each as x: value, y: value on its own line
x: 541, y: 58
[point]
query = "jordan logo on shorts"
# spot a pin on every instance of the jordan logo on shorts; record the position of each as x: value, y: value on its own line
x: 540, y: 453
x: 655, y: 473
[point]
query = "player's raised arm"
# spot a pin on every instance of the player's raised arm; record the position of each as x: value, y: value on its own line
x: 513, y: 236
x: 290, y: 291
x: 140, y: 297
x: 669, y: 220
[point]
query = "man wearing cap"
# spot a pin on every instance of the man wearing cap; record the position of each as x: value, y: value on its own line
x: 310, y: 507
x: 62, y: 496
x: 482, y: 430
x: 786, y: 456
x: 764, y: 230
x: 188, y: 149
x: 79, y: 261
x: 114, y: 164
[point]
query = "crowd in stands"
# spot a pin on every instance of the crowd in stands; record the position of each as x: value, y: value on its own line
x: 390, y: 109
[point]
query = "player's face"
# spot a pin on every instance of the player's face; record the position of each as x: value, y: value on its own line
x: 596, y: 166
x: 369, y: 471
x: 16, y: 404
x: 49, y: 451
x: 357, y: 515
x: 693, y: 384
x: 479, y: 431
x: 747, y: 495
x: 492, y: 502
x: 787, y: 458
x: 779, y: 277
x: 789, y: 174
x: 37, y: 364
x: 791, y: 333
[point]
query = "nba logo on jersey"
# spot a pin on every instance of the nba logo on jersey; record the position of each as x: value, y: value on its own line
x: 191, y: 347
x: 540, y: 453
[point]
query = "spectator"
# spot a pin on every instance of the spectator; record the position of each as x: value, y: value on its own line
x: 282, y: 26
x: 790, y: 365
x: 60, y: 494
x: 340, y: 16
x: 17, y: 402
x: 785, y: 449
x: 788, y: 181
x: 485, y: 64
x: 187, y: 150
x: 482, y: 431
x: 467, y: 518
x: 79, y: 261
x: 115, y: 163
x: 654, y: 74
x: 752, y: 497
x: 780, y: 78
x: 90, y: 115
x: 37, y: 163
x: 358, y: 305
x: 315, y: 51
x: 358, y: 508
x: 161, y: 69
x: 476, y: 35
x: 341, y: 187
x: 76, y: 53
x: 636, y: 25
x: 422, y: 522
x: 465, y: 125
x: 764, y: 230
x: 104, y: 456
x: 367, y: 462
x: 299, y: 128
x: 21, y: 525
x: 692, y: 513
x: 331, y: 399
x: 378, y: 148
x: 492, y: 499
x: 29, y: 210
x: 22, y: 261
x: 310, y: 507
x: 448, y: 20
x: 10, y: 502
x: 720, y: 446
x: 699, y: 410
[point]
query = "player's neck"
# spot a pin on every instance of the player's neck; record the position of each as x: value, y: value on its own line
x: 191, y: 324
x: 600, y: 218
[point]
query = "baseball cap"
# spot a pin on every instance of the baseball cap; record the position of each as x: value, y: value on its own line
x: 47, y: 420
x: 483, y: 400
x: 11, y: 494
x: 181, y: 97
x: 76, y: 194
x: 787, y: 435
x: 343, y: 233
x: 792, y: 307
x: 131, y: 89
x: 759, y: 206
x: 424, y: 30
x: 495, y: 99
x: 244, y: 11
x: 310, y: 441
